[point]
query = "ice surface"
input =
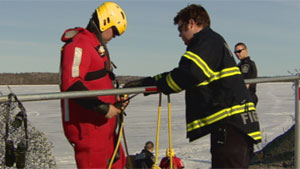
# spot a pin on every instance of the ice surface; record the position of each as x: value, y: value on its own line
x: 275, y: 110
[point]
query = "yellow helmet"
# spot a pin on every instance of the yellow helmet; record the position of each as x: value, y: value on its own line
x: 170, y: 152
x: 109, y: 15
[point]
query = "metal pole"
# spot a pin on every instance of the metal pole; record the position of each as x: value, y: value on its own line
x: 150, y: 89
x: 297, y: 129
x: 79, y: 94
x: 273, y: 79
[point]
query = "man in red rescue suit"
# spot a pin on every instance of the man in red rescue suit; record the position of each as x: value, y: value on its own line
x: 217, y: 100
x: 89, y: 123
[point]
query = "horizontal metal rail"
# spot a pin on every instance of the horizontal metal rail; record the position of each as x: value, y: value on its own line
x: 273, y: 79
x: 151, y: 89
x: 80, y: 94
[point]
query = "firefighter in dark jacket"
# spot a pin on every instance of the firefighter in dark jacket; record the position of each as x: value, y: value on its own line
x: 247, y: 67
x: 217, y: 100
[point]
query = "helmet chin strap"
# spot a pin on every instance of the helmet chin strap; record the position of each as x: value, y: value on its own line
x: 92, y: 27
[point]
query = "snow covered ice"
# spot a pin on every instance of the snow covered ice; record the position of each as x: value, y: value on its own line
x: 275, y: 110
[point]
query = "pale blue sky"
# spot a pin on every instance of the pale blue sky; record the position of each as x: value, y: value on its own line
x: 31, y: 30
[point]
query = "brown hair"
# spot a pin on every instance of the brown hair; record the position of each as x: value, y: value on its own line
x: 149, y: 145
x: 195, y: 12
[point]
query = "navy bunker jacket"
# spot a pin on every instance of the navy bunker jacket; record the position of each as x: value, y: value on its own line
x: 215, y: 89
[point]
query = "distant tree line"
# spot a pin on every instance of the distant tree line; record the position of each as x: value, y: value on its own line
x: 43, y: 78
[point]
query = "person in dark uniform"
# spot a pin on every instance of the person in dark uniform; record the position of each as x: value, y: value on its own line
x: 145, y: 159
x: 247, y: 67
x: 217, y: 100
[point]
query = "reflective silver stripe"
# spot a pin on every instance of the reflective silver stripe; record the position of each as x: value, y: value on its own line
x: 59, y: 75
x: 66, y: 108
x: 237, y: 109
x: 171, y: 83
x: 76, y: 62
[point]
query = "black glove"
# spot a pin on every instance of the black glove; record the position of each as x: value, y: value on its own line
x: 134, y: 83
x: 102, y: 108
x: 148, y: 81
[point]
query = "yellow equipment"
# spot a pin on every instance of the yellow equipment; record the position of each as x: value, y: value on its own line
x: 170, y: 152
x: 109, y: 15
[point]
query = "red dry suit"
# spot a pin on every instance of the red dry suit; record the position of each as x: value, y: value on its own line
x: 85, y: 66
x: 165, y: 163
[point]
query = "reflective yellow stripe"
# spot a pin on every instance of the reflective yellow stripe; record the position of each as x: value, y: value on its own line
x: 157, y: 77
x: 212, y: 76
x: 237, y: 109
x: 255, y: 135
x: 171, y: 83
x: 224, y: 73
x: 199, y: 62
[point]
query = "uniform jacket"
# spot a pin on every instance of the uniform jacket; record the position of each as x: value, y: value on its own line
x: 215, y: 89
x: 249, y: 71
x: 144, y: 160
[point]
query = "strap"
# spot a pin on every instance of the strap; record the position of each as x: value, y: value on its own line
x: 170, y: 131
x: 157, y: 132
x: 97, y: 74
x: 92, y: 27
x: 116, y: 154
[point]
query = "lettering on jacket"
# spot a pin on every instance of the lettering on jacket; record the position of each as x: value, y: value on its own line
x: 249, y: 117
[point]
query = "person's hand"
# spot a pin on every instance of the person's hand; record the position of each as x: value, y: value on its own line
x: 112, y: 112
x: 122, y: 102
x: 148, y: 81
x: 134, y: 83
x: 108, y: 110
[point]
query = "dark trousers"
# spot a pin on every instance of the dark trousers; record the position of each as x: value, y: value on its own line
x: 230, y: 148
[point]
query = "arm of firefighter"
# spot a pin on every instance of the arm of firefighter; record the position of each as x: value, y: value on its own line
x: 180, y: 78
x: 148, y: 81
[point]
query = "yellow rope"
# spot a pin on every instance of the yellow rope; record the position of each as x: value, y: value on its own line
x: 125, y: 96
x: 127, y: 152
x: 155, y: 165
x: 121, y: 116
x: 170, y: 132
x: 118, y: 144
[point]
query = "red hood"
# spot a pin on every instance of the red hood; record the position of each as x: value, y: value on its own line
x: 71, y: 33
